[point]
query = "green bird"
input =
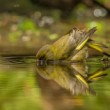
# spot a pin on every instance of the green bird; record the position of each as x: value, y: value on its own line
x: 72, y: 46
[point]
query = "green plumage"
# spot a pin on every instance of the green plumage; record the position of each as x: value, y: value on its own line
x: 68, y: 47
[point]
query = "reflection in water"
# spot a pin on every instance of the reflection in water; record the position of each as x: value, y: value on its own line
x: 67, y: 77
x: 73, y: 77
x: 62, y: 85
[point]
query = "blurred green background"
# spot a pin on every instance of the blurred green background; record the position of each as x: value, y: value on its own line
x: 27, y: 25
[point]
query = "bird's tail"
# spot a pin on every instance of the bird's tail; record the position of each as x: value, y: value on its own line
x: 97, y: 46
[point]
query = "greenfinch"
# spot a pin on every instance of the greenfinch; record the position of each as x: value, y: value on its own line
x: 67, y: 46
x: 73, y: 46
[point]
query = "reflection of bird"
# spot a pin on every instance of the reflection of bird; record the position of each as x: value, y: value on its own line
x: 72, y: 46
x: 66, y: 77
x: 69, y: 78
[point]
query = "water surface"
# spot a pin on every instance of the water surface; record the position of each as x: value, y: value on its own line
x: 26, y: 86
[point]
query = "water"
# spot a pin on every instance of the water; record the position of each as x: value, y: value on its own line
x: 30, y: 86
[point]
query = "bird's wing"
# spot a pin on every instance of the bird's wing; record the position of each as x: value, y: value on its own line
x: 85, y: 38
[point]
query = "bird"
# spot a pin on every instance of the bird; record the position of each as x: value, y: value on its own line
x: 73, y: 46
